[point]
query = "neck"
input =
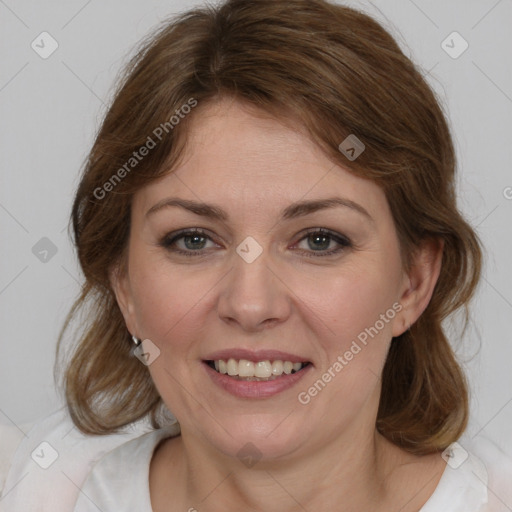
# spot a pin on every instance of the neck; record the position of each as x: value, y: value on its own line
x: 351, y: 470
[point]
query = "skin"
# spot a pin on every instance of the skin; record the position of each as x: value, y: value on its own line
x: 322, y: 454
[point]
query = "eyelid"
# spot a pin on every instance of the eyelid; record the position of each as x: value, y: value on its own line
x: 343, y: 241
x: 172, y: 237
x: 324, y: 231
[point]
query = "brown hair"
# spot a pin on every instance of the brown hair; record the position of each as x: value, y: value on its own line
x: 337, y: 72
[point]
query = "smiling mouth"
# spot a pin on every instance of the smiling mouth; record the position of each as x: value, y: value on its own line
x: 243, y: 369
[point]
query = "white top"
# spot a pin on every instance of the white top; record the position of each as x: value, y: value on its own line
x: 56, y: 468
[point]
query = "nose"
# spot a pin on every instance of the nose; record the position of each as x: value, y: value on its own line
x: 254, y: 296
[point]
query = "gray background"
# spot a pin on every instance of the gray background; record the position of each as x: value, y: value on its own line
x: 50, y: 109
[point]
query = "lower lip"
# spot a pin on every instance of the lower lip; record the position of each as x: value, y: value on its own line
x: 254, y: 388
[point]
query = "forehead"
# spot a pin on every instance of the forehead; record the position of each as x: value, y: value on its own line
x: 241, y: 157
x: 248, y: 141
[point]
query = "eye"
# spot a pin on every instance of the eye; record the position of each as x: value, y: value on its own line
x: 320, y: 239
x: 193, y: 242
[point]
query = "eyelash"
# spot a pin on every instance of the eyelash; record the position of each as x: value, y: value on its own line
x: 170, y: 240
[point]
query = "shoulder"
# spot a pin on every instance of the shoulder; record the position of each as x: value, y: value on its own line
x: 119, y: 481
x: 44, y: 467
x: 11, y: 436
x: 496, y: 457
x: 477, y: 477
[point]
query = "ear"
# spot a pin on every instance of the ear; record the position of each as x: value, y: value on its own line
x: 419, y: 283
x: 121, y: 285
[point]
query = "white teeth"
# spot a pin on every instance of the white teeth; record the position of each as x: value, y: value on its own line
x: 232, y: 367
x: 277, y: 368
x: 265, y: 370
x: 245, y: 368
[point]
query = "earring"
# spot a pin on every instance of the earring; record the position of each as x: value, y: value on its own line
x: 136, y: 341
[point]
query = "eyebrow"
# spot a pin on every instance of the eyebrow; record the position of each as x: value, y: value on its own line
x: 295, y: 210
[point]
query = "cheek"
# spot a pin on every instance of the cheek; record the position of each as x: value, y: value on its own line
x: 165, y: 301
x: 354, y: 300
x: 357, y: 311
x: 173, y: 303
x: 152, y: 290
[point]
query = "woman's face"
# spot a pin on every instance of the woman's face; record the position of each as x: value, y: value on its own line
x: 262, y: 284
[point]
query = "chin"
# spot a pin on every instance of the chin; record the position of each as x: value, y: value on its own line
x: 257, y: 438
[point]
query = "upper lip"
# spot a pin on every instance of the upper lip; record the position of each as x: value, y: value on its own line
x: 255, y: 355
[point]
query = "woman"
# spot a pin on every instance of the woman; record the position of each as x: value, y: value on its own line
x: 270, y: 240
